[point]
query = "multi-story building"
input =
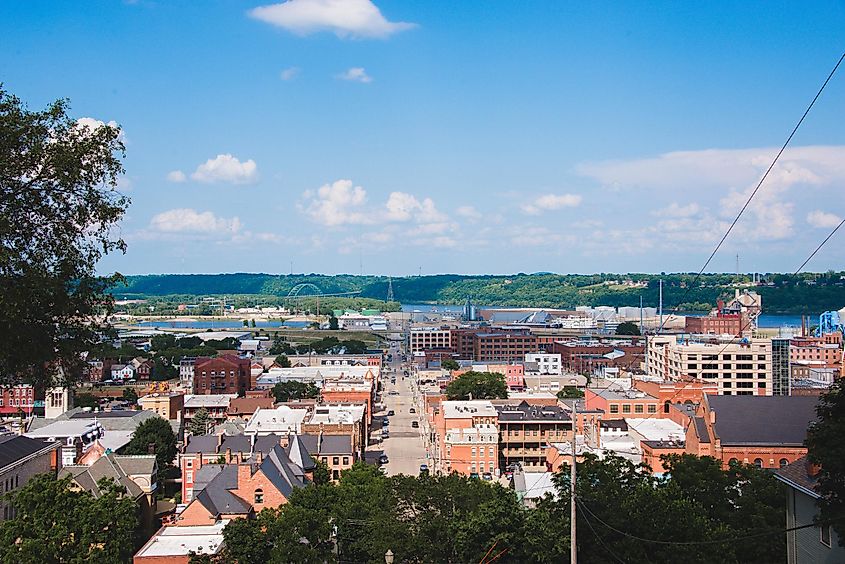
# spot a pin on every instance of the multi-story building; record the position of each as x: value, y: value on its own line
x: 718, y: 324
x: 226, y: 374
x: 216, y: 405
x: 424, y: 338
x: 98, y: 370
x: 21, y: 458
x: 18, y: 399
x: 168, y: 405
x: 825, y: 350
x: 186, y: 374
x: 463, y: 343
x: 467, y: 437
x: 781, y: 368
x: 740, y: 368
x: 621, y: 403
x: 525, y: 432
x: 588, y: 357
x: 504, y: 346
x: 547, y: 363
x: 342, y: 420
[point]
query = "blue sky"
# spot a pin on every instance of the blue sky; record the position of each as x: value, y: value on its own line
x: 396, y: 136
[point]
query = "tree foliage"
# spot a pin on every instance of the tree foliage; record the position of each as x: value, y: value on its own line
x: 282, y: 361
x: 478, y: 385
x: 59, y: 205
x: 199, y: 422
x: 293, y: 390
x: 628, y: 328
x: 157, y: 432
x: 52, y: 523
x: 130, y: 395
x: 450, y: 364
x: 570, y: 392
x: 826, y: 448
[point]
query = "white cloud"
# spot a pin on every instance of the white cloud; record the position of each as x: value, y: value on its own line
x: 468, y: 212
x: 355, y: 74
x: 187, y: 220
x: 338, y: 203
x: 344, y: 18
x: 676, y: 210
x: 176, y: 176
x: 821, y: 219
x: 551, y: 202
x: 94, y: 124
x: 226, y: 168
x: 289, y: 73
x: 401, y: 206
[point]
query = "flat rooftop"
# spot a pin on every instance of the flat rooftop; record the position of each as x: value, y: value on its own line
x: 176, y: 541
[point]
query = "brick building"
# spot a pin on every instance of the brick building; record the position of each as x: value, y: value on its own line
x: 525, y: 432
x: 504, y: 346
x: 467, y: 437
x: 21, y: 458
x: 588, y: 357
x: 227, y: 374
x: 719, y: 324
x: 168, y: 405
x: 16, y: 400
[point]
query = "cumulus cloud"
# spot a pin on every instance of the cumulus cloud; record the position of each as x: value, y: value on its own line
x: 338, y: 203
x: 823, y: 219
x: 176, y: 176
x: 226, y: 168
x: 676, y: 210
x: 468, y: 212
x: 188, y: 220
x: 93, y: 124
x: 289, y: 73
x: 355, y: 74
x: 344, y: 18
x: 551, y: 202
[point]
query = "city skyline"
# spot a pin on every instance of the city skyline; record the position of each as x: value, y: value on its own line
x: 393, y: 137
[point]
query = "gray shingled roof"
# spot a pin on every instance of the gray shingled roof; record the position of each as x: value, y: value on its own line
x: 283, y: 473
x: 216, y: 496
x: 331, y: 444
x: 763, y: 420
x: 236, y: 443
x: 701, y: 429
x: 111, y: 466
x: 298, y: 453
x: 795, y: 474
x: 15, y: 447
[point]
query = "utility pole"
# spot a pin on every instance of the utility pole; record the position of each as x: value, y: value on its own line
x: 573, y: 546
x: 660, y: 307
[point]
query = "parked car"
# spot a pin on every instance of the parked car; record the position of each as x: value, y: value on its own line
x: 412, y: 410
x: 385, y: 421
x: 383, y: 459
x: 390, y: 413
x: 385, y: 434
x: 487, y: 476
x: 415, y: 424
x: 474, y: 475
x: 423, y: 469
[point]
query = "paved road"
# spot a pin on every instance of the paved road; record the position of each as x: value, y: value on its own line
x: 404, y: 448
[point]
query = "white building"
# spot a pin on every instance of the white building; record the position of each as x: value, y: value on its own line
x: 121, y: 372
x: 741, y: 368
x: 546, y: 363
x: 281, y: 420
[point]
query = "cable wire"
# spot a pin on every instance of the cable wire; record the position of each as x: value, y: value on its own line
x: 598, y: 537
x: 759, y: 184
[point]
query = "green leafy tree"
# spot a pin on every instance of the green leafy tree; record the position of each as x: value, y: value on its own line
x: 628, y: 328
x: 281, y: 347
x: 246, y: 323
x: 450, y: 364
x: 154, y: 436
x: 162, y: 342
x: 333, y: 323
x: 130, y: 395
x: 252, y: 323
x: 52, y: 523
x: 478, y: 385
x: 200, y: 422
x: 322, y: 474
x: 293, y: 390
x: 86, y: 400
x: 282, y: 361
x: 570, y: 392
x: 163, y: 369
x: 59, y: 205
x: 826, y: 448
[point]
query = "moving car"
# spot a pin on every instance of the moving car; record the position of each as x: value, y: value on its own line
x: 383, y: 459
x: 390, y: 413
x: 415, y: 424
x: 412, y: 410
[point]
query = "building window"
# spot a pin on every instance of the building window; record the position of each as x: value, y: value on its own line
x: 758, y: 462
x: 345, y: 460
x: 259, y: 496
x: 733, y: 461
x: 652, y: 409
x: 626, y: 408
x: 335, y: 460
x: 783, y: 462
x: 189, y: 476
x: 614, y: 408
x: 824, y: 535
x: 638, y: 408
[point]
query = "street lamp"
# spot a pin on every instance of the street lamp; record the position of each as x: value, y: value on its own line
x: 388, y: 557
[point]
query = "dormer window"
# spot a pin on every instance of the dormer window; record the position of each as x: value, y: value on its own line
x: 259, y: 496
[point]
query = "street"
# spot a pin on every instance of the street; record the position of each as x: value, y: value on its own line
x: 404, y: 448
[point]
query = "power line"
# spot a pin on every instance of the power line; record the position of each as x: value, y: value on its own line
x: 709, y: 541
x: 598, y: 537
x: 832, y: 233
x: 759, y: 184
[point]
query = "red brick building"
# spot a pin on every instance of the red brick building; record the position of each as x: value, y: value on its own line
x: 510, y: 346
x: 586, y: 358
x: 19, y: 399
x: 719, y: 324
x: 227, y: 374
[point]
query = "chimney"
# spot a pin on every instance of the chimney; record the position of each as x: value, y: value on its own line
x: 712, y: 417
x: 259, y: 457
x: 228, y: 455
x: 219, y: 442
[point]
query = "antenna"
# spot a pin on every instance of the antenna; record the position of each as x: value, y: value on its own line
x: 737, y: 264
